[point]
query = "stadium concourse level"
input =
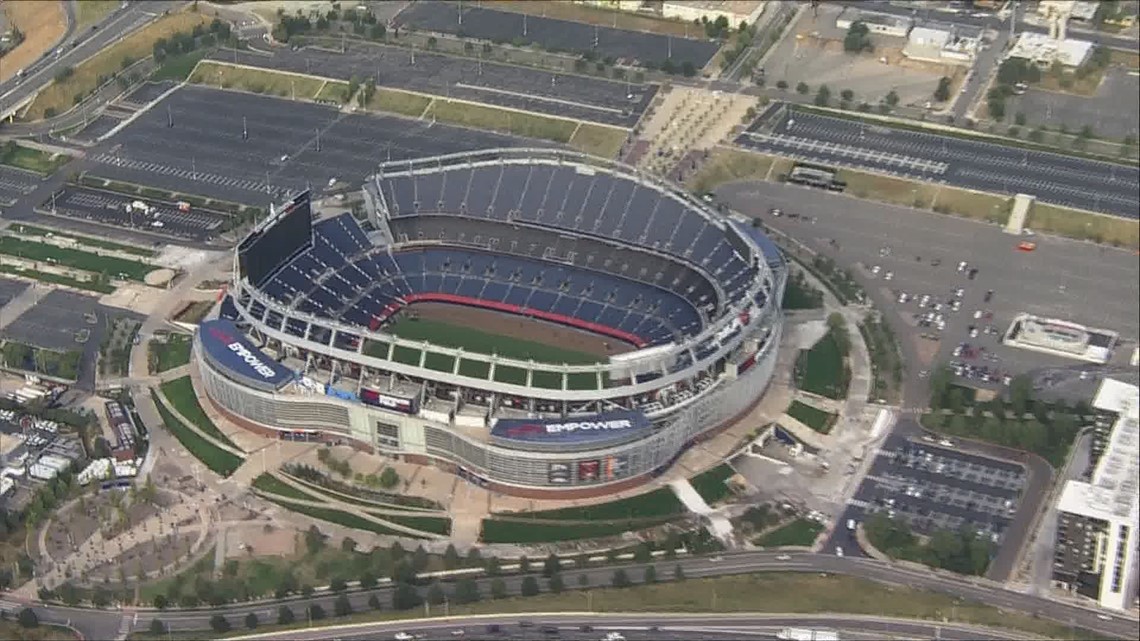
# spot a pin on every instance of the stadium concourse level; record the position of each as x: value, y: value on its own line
x: 557, y: 237
x: 623, y: 45
x: 566, y: 95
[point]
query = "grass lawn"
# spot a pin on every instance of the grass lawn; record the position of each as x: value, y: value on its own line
x: 523, y: 531
x: 41, y: 162
x: 58, y: 279
x: 799, y: 532
x: 651, y: 505
x: 726, y: 165
x: 12, y: 631
x: 180, y: 393
x: 1122, y: 232
x: 820, y: 370
x: 339, y: 517
x: 89, y: 12
x: 178, y: 67
x: 259, y: 81
x: 334, y: 91
x: 712, y: 485
x: 98, y: 243
x: 273, y: 485
x: 430, y: 524
x: 813, y: 417
x: 763, y: 592
x: 448, y: 335
x: 598, y: 140
x: 77, y: 259
x: 175, y: 352
x: 398, y: 102
x: 218, y: 460
x: 58, y: 97
x: 518, y: 123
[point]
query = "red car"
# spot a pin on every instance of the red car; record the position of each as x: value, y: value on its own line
x: 1026, y: 246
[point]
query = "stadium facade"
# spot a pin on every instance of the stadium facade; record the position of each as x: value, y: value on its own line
x: 299, y: 350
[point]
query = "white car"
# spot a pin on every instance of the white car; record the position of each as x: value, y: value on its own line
x: 962, y: 266
x: 889, y: 276
x: 783, y: 557
x: 403, y: 636
x: 977, y: 314
x: 875, y: 270
x: 838, y: 551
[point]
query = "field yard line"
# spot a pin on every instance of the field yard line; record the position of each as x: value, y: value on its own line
x: 430, y: 104
x: 320, y: 89
x: 236, y: 65
x: 575, y: 132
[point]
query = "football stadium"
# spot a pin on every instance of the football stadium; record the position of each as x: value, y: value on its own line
x: 539, y: 322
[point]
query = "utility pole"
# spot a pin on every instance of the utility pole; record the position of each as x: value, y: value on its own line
x: 244, y: 129
x: 318, y: 139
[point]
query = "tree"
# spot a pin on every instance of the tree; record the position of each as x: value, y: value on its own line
x: 892, y: 98
x: 367, y: 580
x: 688, y: 69
x: 160, y: 601
x: 858, y: 38
x: 251, y: 620
x: 314, y: 539
x: 942, y: 93
x: 524, y: 564
x: 342, y: 607
x: 219, y: 623
x: 823, y: 96
x: 374, y: 602
x: 1019, y: 119
x: 435, y: 594
x: 348, y: 544
x: 802, y: 88
x: 555, y: 584
x: 389, y: 478
x: 678, y: 573
x: 583, y: 580
x: 1020, y: 393
x: 27, y: 618
x: 847, y: 95
x: 474, y: 558
x: 419, y: 559
x: 782, y: 85
x: 405, y: 597
x: 551, y: 566
x: 498, y: 588
x: 338, y: 584
x: 285, y: 615
x: 157, y: 627
x: 650, y: 574
x: 450, y: 558
x: 492, y: 566
x: 620, y: 579
x: 467, y: 590
x: 529, y: 586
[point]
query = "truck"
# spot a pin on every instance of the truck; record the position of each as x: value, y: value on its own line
x: 139, y: 207
x: 807, y: 634
x: 183, y: 206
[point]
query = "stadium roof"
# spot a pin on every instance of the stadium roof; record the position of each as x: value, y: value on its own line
x: 227, y: 347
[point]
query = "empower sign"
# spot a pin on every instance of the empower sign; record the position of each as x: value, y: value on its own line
x: 595, y: 428
x: 228, y: 348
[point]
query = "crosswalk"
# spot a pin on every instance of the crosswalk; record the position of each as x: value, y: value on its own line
x: 163, y: 169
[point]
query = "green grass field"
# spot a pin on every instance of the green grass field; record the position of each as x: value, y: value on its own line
x: 98, y: 243
x: 398, y: 102
x: 523, y: 531
x: 431, y: 524
x: 519, y: 123
x: 109, y: 265
x: 259, y: 81
x: 268, y: 483
x: 659, y: 503
x: 598, y: 140
x: 819, y: 370
x: 339, y: 517
x: 57, y: 279
x: 813, y: 417
x: 448, y: 335
x: 41, y: 162
x: 798, y: 532
x: 180, y: 393
x: 175, y: 352
x: 712, y: 485
x: 218, y: 460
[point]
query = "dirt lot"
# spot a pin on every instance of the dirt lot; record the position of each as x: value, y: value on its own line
x: 527, y: 329
x: 42, y: 22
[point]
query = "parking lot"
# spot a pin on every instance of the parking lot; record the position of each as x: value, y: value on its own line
x: 1113, y: 112
x: 16, y: 183
x: 921, y: 251
x: 1052, y: 178
x: 289, y: 146
x: 55, y: 322
x: 557, y: 94
x: 557, y: 35
x: 114, y: 209
x: 9, y: 289
x: 98, y: 127
x: 148, y: 92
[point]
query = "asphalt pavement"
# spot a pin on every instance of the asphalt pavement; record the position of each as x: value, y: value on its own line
x: 1054, y: 178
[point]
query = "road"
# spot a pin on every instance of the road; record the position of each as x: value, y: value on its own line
x: 16, y: 91
x: 97, y: 623
x: 656, y: 626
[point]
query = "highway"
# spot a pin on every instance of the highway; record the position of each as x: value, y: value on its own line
x: 656, y: 626
x: 16, y: 91
x: 101, y: 623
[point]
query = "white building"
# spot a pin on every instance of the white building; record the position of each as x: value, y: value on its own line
x: 1096, y: 549
x: 1044, y: 51
x: 1076, y: 9
x: 735, y: 11
x: 878, y: 23
x: 940, y: 45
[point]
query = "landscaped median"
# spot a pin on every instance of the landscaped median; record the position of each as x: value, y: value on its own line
x: 40, y: 162
x: 713, y: 485
x: 813, y: 417
x: 823, y: 369
x: 180, y: 394
x: 222, y: 462
x: 596, y: 139
x: 285, y: 494
x: 587, y: 522
x: 43, y: 252
x: 33, y: 231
